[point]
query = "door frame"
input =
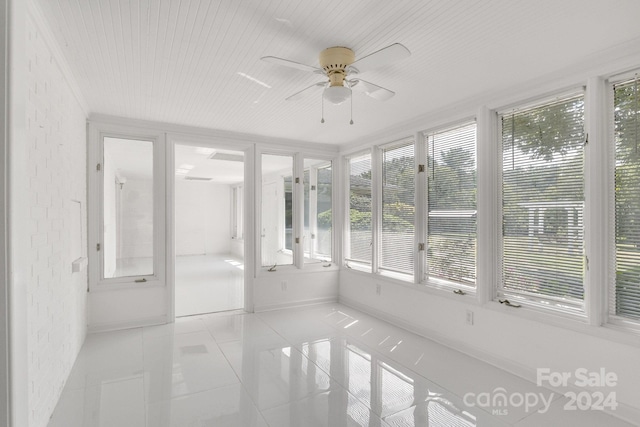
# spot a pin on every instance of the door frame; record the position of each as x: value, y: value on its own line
x: 248, y: 148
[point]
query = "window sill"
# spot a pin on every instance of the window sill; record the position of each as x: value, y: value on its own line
x: 292, y: 269
x: 469, y: 297
x: 106, y: 286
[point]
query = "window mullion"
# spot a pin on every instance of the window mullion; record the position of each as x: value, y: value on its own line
x: 313, y: 211
x: 420, y: 203
x: 597, y: 187
x: 346, y: 217
x: 376, y: 207
x: 298, y: 210
x: 488, y: 252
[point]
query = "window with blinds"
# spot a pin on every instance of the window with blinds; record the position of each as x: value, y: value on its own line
x: 543, y: 202
x: 317, y: 210
x: 398, y: 208
x: 451, y: 206
x: 626, y: 298
x: 359, y: 225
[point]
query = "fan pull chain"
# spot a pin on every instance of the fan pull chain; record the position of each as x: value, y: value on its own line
x: 322, y: 119
x: 351, y: 122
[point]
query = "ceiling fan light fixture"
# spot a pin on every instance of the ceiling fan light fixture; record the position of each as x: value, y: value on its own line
x: 337, y: 94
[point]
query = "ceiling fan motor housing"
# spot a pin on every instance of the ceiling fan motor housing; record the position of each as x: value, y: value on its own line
x: 334, y: 62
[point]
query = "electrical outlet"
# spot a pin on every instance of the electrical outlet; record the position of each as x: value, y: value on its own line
x: 378, y: 289
x: 283, y: 285
x: 469, y: 317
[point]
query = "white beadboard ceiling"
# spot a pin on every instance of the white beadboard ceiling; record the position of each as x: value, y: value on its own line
x: 197, y: 62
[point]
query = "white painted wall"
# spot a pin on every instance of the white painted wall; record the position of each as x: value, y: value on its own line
x: 291, y: 287
x: 56, y: 177
x: 203, y: 222
x: 237, y: 248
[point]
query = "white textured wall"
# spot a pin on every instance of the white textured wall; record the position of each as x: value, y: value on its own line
x: 203, y: 222
x: 56, y: 135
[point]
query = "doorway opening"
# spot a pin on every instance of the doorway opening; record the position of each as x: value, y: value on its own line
x: 209, y: 235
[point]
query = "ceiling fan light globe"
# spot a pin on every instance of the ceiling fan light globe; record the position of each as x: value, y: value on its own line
x: 337, y: 94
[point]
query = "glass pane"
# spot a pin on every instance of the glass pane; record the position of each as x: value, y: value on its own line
x: 543, y: 198
x: 360, y: 236
x: 127, y: 208
x: 317, y: 210
x: 277, y: 210
x: 627, y: 200
x: 398, y: 187
x: 451, y: 225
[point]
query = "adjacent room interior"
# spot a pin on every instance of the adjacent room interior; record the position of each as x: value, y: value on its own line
x: 209, y: 218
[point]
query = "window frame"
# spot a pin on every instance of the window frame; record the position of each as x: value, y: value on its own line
x: 347, y: 261
x: 377, y: 168
x: 611, y: 318
x: 281, y: 213
x: 310, y: 256
x: 297, y: 253
x: 437, y: 283
x: 98, y: 132
x: 548, y: 304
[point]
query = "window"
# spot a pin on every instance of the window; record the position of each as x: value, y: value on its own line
x: 277, y: 210
x: 317, y: 210
x: 359, y: 225
x: 625, y: 301
x: 542, y: 203
x: 398, y: 208
x: 127, y: 208
x: 451, y: 206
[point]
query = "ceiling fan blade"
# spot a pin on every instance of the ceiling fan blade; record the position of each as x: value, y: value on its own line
x: 291, y: 64
x: 374, y: 91
x: 384, y: 56
x: 306, y: 91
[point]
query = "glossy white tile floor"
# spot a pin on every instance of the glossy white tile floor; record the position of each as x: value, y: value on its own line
x: 328, y: 366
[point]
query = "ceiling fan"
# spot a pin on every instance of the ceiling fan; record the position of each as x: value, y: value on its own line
x: 338, y: 64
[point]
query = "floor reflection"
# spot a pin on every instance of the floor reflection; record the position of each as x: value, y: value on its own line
x: 327, y: 366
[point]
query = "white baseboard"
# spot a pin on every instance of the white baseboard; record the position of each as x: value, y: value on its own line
x: 294, y: 304
x: 624, y: 411
x: 116, y: 326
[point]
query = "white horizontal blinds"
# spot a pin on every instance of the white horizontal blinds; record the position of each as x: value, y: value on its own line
x: 360, y: 232
x: 452, y: 224
x: 398, y: 210
x: 627, y: 198
x: 543, y: 202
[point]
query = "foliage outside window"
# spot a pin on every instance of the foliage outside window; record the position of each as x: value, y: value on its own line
x: 543, y: 202
x: 398, y: 208
x: 626, y: 298
x: 359, y: 226
x: 451, y: 205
